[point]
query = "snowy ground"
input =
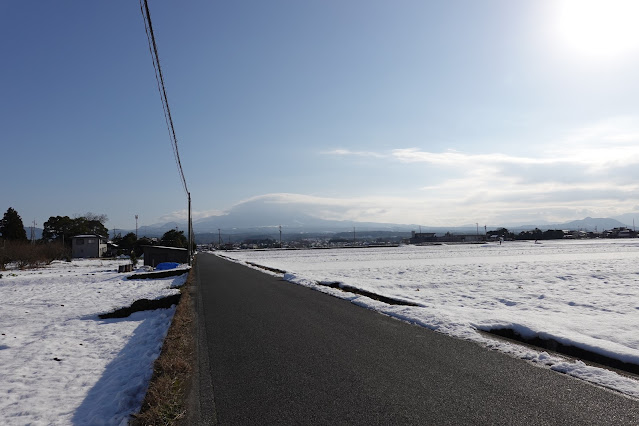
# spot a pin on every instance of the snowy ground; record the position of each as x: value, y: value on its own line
x: 61, y: 364
x: 583, y: 293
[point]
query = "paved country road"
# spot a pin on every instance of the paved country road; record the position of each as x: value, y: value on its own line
x: 273, y: 352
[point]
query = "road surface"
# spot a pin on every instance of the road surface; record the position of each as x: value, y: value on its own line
x: 273, y: 352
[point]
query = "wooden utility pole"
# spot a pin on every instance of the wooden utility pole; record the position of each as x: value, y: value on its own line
x: 190, y: 248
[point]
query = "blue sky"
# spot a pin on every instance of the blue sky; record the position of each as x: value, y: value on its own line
x: 422, y: 112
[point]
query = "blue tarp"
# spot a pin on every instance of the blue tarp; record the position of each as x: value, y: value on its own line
x: 166, y: 265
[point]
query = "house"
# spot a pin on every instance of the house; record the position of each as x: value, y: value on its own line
x: 88, y: 246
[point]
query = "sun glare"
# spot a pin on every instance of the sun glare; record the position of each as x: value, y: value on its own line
x: 599, y: 28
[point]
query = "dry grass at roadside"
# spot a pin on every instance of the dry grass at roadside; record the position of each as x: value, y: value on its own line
x: 165, y: 400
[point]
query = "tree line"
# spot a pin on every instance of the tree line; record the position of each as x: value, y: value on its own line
x: 57, y: 234
x: 535, y: 234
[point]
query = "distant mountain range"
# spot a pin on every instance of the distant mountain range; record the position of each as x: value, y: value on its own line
x: 257, y: 218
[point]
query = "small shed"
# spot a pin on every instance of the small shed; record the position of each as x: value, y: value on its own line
x: 154, y: 255
x: 422, y: 237
x: 90, y: 245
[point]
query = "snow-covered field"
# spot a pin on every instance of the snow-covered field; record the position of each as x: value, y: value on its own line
x: 582, y: 293
x: 60, y: 363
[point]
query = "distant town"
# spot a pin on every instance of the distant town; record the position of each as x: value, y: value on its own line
x: 388, y: 238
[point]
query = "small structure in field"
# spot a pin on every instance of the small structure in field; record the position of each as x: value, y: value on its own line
x: 154, y: 255
x: 90, y: 245
x: 422, y: 237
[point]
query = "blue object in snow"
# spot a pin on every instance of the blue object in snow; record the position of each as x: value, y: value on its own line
x: 166, y: 265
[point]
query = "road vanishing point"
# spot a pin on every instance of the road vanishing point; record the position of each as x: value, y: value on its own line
x: 273, y: 352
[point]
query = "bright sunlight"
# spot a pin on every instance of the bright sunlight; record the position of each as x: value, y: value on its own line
x: 600, y: 29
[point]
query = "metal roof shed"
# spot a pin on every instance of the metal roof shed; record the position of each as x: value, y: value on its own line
x: 154, y: 255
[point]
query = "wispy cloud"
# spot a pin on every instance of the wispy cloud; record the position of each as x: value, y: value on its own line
x: 347, y: 152
x: 459, y: 159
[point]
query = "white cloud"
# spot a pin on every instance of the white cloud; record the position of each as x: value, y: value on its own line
x: 182, y: 215
x: 346, y: 152
x: 458, y: 159
x: 594, y: 169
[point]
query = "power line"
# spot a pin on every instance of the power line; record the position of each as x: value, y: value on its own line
x: 146, y: 15
x: 159, y: 78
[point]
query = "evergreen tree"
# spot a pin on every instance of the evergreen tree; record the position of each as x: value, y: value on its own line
x: 11, y: 226
x: 127, y: 242
x: 174, y: 238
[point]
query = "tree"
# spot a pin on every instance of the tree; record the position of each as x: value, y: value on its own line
x: 535, y: 234
x: 553, y: 234
x: 58, y: 228
x: 139, y: 245
x: 11, y: 226
x: 501, y: 232
x: 62, y: 228
x: 92, y: 217
x: 174, y: 238
x: 127, y: 242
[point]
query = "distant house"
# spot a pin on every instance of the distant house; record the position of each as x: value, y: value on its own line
x: 88, y: 246
x: 465, y: 238
x: 422, y: 237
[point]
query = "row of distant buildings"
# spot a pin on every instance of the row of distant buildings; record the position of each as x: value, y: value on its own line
x: 431, y: 237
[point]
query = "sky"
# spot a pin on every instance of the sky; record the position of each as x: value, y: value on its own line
x: 416, y: 112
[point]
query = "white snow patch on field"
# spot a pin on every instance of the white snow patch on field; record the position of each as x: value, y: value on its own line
x: 61, y: 364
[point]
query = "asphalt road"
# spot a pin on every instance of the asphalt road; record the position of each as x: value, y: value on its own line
x: 272, y: 352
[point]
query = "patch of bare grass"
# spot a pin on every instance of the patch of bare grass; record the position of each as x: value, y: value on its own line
x: 166, y: 398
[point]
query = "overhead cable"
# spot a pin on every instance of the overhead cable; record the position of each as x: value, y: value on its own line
x: 144, y: 8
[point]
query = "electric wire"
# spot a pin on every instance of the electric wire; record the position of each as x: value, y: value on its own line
x: 146, y: 15
x: 159, y: 78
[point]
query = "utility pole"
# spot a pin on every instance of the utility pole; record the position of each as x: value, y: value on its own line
x: 219, y: 237
x: 280, y: 236
x: 136, y: 226
x: 190, y: 248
